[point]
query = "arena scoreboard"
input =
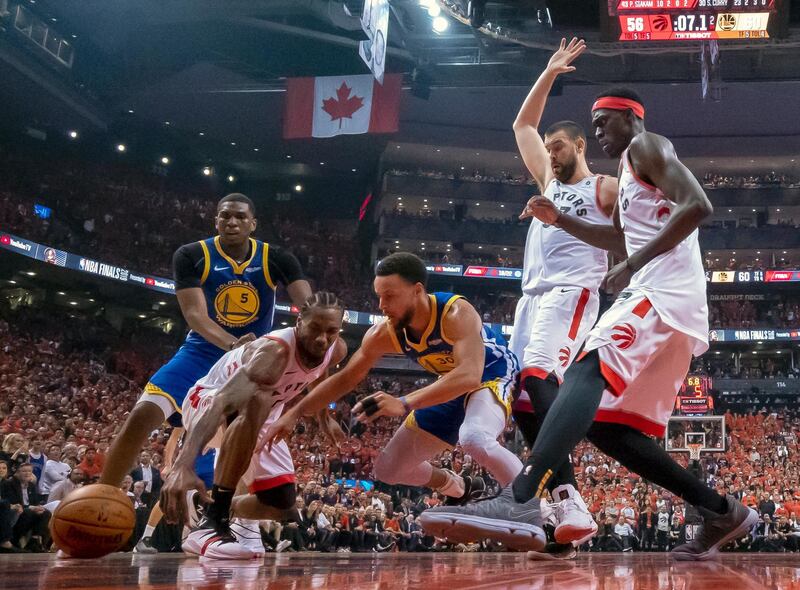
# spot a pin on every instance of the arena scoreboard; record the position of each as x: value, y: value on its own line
x: 690, y: 20
x: 694, y: 398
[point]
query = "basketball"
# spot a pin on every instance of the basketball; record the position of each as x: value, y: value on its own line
x: 93, y: 521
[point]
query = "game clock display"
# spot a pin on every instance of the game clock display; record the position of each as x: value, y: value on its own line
x: 687, y: 26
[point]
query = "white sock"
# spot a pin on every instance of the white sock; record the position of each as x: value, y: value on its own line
x: 148, y: 531
x: 454, y: 486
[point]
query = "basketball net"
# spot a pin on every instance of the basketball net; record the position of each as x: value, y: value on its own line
x: 694, y: 451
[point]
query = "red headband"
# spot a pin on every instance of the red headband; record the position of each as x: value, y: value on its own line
x: 618, y: 103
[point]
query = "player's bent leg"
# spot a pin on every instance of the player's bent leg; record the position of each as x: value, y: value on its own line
x: 145, y: 417
x: 725, y: 518
x: 484, y: 421
x: 405, y: 460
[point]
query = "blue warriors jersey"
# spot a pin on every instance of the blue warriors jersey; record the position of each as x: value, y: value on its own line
x: 434, y: 351
x: 240, y: 297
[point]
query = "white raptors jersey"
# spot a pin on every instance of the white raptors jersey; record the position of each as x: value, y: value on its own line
x: 294, y: 380
x: 674, y: 282
x: 553, y: 257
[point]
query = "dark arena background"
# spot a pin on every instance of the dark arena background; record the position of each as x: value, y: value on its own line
x: 360, y: 128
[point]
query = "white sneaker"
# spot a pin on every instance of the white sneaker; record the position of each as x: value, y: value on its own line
x: 207, y: 541
x: 283, y: 546
x: 248, y: 534
x: 575, y: 523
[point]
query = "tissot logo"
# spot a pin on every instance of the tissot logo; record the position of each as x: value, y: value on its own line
x: 149, y: 282
x: 164, y: 284
x: 9, y: 241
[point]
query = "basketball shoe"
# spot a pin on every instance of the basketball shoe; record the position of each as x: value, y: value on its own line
x: 215, y: 540
x: 716, y: 531
x: 575, y: 523
x: 517, y: 526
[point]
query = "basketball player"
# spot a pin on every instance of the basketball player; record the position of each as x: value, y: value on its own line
x: 561, y: 278
x: 468, y: 404
x: 622, y: 387
x: 249, y: 388
x: 226, y: 291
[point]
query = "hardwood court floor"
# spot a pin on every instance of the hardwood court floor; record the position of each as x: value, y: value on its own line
x: 449, y: 571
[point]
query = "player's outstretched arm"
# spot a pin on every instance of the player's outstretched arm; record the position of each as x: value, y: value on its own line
x: 529, y: 141
x: 374, y: 345
x: 654, y: 160
x: 463, y: 326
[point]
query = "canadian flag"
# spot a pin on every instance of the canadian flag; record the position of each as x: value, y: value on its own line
x: 341, y: 105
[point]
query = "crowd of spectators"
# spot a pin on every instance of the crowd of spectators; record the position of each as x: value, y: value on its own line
x: 710, y: 180
x: 779, y: 311
x: 504, y: 260
x: 770, y: 179
x: 750, y: 366
x: 96, y: 212
x: 475, y: 175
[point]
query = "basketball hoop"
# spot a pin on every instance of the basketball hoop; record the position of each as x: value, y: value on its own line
x: 694, y: 451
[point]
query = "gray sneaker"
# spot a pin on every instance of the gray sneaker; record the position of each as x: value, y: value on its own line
x: 517, y: 526
x: 716, y: 531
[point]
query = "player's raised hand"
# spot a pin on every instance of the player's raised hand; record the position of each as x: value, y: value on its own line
x: 376, y: 405
x: 542, y: 209
x: 567, y: 53
x: 173, y: 494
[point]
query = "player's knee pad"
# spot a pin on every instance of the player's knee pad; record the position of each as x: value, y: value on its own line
x: 282, y: 497
x: 475, y: 441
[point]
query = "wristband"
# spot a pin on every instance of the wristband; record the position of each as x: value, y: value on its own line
x: 404, y: 401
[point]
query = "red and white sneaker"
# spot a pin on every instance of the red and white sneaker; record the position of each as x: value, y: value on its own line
x: 215, y: 541
x: 248, y: 533
x: 575, y: 522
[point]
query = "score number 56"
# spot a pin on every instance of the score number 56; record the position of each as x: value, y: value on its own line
x: 635, y: 24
